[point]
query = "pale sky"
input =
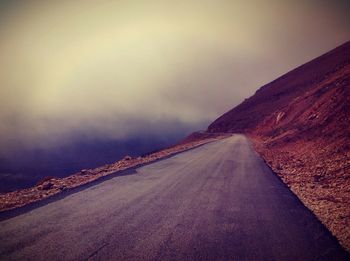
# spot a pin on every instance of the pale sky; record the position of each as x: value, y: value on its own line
x: 112, y: 68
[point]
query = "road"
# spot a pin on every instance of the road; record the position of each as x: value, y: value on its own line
x: 216, y: 202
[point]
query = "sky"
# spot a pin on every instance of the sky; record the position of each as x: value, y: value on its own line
x: 113, y: 69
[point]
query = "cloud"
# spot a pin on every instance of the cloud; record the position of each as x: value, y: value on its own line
x: 114, y: 68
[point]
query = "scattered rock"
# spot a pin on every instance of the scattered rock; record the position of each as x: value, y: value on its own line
x: 45, y: 179
x: 46, y: 186
x: 127, y: 157
x: 279, y: 166
x: 84, y: 172
x: 317, y: 178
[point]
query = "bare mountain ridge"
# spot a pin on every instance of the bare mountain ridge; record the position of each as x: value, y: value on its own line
x: 300, y: 125
x: 277, y: 94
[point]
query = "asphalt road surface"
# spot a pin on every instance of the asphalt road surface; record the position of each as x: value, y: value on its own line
x: 216, y: 202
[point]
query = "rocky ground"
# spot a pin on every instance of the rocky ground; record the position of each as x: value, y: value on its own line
x: 307, y: 143
x: 319, y: 175
x: 51, y: 186
x: 300, y: 124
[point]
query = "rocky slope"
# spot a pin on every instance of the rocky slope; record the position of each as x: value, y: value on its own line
x: 300, y: 125
x: 280, y: 92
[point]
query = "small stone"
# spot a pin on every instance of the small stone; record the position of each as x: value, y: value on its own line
x: 46, y: 186
x: 84, y: 172
x: 127, y: 157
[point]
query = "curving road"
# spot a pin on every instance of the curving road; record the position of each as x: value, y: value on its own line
x: 216, y: 202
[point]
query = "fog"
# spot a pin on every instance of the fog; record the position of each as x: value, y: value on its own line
x: 117, y: 70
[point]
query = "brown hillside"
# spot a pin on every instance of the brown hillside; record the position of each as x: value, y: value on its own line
x: 307, y: 144
x: 275, y: 95
x: 300, y: 125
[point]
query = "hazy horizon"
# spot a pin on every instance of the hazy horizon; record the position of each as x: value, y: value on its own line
x: 107, y: 69
x: 113, y: 71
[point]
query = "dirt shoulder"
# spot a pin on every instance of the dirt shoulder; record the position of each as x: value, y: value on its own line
x: 52, y: 186
x: 319, y: 174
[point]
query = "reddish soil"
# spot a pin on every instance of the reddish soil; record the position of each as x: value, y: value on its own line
x: 300, y: 125
x: 51, y: 186
x: 279, y: 93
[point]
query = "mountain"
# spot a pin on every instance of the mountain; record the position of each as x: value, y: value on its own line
x: 279, y: 93
x: 300, y: 125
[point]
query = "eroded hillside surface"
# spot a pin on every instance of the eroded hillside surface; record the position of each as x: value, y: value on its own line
x: 300, y: 125
x: 308, y: 144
